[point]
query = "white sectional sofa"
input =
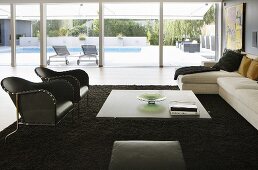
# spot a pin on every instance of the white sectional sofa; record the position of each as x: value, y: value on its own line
x: 203, y: 83
x: 240, y: 92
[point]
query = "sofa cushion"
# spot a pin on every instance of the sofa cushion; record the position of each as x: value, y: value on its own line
x: 206, y: 77
x: 253, y: 57
x: 231, y: 84
x: 248, y: 97
x: 252, y: 72
x: 245, y: 63
x: 229, y: 61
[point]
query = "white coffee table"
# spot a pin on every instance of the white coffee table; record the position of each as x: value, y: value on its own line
x: 124, y: 104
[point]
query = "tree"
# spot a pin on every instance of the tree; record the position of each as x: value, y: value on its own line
x: 152, y: 32
x: 35, y: 28
x: 95, y: 28
x: 176, y: 30
x: 77, y: 30
x: 126, y: 27
x: 168, y: 33
x: 63, y: 31
x: 53, y: 27
x: 78, y: 22
x: 209, y: 17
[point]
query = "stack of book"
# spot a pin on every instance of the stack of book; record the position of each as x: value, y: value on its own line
x: 183, y: 108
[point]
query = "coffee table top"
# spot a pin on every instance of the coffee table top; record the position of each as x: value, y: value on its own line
x: 124, y: 104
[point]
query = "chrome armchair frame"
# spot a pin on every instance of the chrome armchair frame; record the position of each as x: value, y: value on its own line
x: 20, y: 95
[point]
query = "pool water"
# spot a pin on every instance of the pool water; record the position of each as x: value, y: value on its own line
x: 72, y: 50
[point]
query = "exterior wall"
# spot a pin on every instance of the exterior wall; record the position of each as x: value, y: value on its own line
x: 22, y: 28
x: 5, y: 32
x: 75, y: 42
x: 251, y: 22
x: 2, y: 31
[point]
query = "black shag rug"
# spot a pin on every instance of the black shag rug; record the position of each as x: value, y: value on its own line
x: 227, y: 141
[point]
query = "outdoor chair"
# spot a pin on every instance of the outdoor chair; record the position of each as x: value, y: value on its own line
x: 89, y: 51
x: 61, y: 52
x: 39, y: 103
x: 78, y: 78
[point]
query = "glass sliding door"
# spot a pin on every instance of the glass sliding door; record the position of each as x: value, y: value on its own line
x: 5, y: 35
x: 131, y: 33
x: 71, y: 26
x: 28, y: 34
x: 189, y: 33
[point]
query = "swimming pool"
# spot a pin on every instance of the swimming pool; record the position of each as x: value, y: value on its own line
x: 73, y: 50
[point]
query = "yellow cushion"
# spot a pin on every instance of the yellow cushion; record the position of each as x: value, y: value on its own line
x: 245, y: 63
x: 252, y: 72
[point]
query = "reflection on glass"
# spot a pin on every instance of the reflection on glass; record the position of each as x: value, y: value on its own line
x: 151, y: 108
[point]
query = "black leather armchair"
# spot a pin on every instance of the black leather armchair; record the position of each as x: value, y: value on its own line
x: 78, y: 78
x: 39, y: 103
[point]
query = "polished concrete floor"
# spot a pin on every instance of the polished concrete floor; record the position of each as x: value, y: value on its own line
x: 98, y: 76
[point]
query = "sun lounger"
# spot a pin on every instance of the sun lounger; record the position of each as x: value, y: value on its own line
x: 89, y: 51
x: 61, y: 52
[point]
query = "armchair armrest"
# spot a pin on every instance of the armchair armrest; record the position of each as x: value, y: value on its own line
x: 208, y: 63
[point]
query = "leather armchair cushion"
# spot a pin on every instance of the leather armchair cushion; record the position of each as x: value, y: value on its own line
x: 147, y: 155
x: 83, y: 91
x: 62, y: 108
x: 78, y: 78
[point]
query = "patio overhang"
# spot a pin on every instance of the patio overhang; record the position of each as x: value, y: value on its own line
x: 137, y: 11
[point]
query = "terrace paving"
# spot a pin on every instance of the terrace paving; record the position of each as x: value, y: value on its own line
x: 149, y: 56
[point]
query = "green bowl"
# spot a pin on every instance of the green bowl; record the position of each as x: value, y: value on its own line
x: 151, y: 98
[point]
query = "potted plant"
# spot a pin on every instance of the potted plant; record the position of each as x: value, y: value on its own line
x: 120, y: 36
x: 82, y: 37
